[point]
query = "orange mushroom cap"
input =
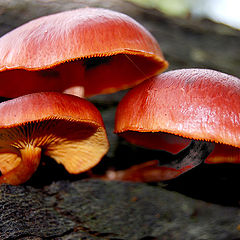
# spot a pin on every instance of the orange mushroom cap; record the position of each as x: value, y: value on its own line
x: 67, y: 128
x: 99, y: 49
x: 168, y: 110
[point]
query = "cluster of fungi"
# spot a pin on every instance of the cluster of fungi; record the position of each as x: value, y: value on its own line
x: 51, y: 64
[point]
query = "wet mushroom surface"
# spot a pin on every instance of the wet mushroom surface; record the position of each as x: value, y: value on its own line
x: 84, y: 52
x: 170, y: 110
x: 67, y: 128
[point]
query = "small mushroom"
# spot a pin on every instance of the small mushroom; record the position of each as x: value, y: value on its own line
x: 67, y: 128
x: 170, y: 110
x: 86, y: 51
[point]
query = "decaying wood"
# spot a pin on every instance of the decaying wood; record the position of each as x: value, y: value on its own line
x: 110, y: 210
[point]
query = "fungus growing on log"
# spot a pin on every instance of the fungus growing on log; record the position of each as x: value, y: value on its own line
x: 86, y: 51
x: 172, y: 109
x: 66, y: 128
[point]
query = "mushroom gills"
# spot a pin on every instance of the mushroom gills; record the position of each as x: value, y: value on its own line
x: 19, y: 168
x: 25, y: 143
x: 8, y: 160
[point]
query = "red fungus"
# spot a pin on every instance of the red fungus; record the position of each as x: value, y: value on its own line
x: 67, y: 128
x: 89, y: 50
x: 170, y: 110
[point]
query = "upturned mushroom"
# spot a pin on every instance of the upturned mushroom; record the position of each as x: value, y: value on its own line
x: 170, y: 110
x: 67, y: 128
x: 87, y: 51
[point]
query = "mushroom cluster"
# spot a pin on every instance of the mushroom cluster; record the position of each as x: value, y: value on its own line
x: 192, y: 113
x: 82, y: 52
x: 173, y: 109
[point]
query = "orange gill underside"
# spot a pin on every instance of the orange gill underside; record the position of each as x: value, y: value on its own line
x: 69, y: 143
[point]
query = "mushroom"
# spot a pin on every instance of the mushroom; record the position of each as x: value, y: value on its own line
x: 171, y: 110
x: 86, y: 51
x: 65, y: 127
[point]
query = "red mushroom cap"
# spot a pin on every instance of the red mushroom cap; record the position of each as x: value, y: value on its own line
x: 67, y: 128
x: 168, y: 110
x: 102, y: 50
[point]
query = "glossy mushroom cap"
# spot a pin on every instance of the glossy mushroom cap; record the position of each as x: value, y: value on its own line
x: 98, y: 49
x: 168, y: 110
x: 67, y: 128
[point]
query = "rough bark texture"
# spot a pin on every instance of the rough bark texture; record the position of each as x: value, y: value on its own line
x: 60, y: 206
x: 91, y: 209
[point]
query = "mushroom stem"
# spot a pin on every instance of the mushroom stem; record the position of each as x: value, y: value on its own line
x: 30, y: 158
x: 154, y: 171
x: 190, y: 157
x: 76, y: 91
x: 73, y: 73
